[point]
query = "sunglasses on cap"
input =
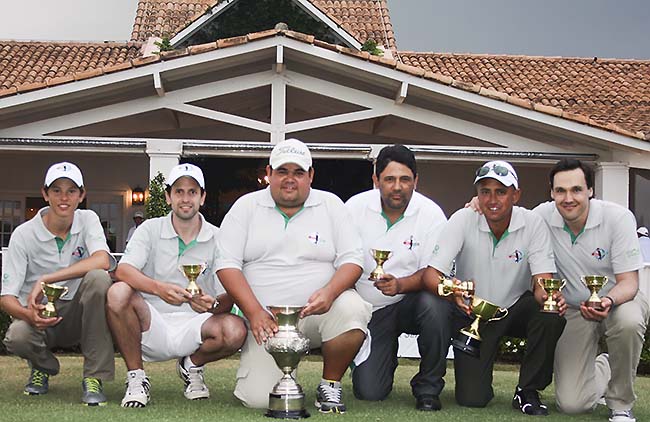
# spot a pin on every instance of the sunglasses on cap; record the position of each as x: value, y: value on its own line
x: 496, y: 169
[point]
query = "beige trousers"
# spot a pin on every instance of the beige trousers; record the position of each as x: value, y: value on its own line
x: 581, y: 378
x: 258, y: 373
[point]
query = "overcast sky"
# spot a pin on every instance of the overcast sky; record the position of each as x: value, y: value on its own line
x: 585, y: 28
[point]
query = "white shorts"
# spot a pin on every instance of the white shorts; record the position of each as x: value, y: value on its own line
x: 172, y: 335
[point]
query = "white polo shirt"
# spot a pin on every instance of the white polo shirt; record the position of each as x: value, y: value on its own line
x: 33, y: 252
x: 286, y: 260
x: 154, y: 249
x: 411, y: 239
x: 501, y: 269
x: 608, y: 245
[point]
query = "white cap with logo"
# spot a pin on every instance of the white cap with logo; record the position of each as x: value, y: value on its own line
x: 64, y: 169
x: 290, y: 151
x: 189, y: 170
x: 643, y: 231
x: 498, y: 170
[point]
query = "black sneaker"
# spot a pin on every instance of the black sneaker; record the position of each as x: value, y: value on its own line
x: 38, y: 383
x: 329, y: 398
x: 529, y: 403
x: 428, y: 403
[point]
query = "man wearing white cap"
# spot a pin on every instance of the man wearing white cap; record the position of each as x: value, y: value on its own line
x: 290, y: 244
x: 138, y: 218
x: 644, y: 242
x: 504, y: 250
x: 151, y: 314
x: 65, y: 246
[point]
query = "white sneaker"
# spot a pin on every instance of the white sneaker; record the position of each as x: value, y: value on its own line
x: 195, y: 387
x: 137, y: 389
x: 621, y: 416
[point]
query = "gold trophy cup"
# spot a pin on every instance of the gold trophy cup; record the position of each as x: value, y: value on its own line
x: 192, y: 272
x: 287, y: 399
x: 468, y: 339
x: 447, y: 287
x: 595, y: 284
x: 52, y: 292
x: 550, y: 286
x: 380, y: 256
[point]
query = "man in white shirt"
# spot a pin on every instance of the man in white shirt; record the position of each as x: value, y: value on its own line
x: 65, y: 246
x: 594, y: 237
x: 151, y: 314
x: 644, y: 243
x: 138, y: 218
x: 290, y: 244
x: 504, y: 250
x: 396, y: 218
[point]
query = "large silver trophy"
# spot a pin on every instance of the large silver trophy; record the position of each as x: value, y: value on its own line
x: 287, y: 399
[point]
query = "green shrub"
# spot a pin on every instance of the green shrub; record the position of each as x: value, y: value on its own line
x: 5, y: 320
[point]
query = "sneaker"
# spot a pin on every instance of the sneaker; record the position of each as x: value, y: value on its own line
x: 38, y: 383
x: 621, y: 416
x: 137, y: 389
x: 529, y: 403
x: 328, y: 397
x: 93, y: 392
x: 195, y: 388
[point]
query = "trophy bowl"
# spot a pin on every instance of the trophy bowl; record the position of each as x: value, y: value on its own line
x: 192, y: 273
x: 468, y: 339
x: 380, y: 256
x: 447, y: 287
x: 287, y: 398
x: 595, y: 284
x: 550, y: 286
x: 52, y: 292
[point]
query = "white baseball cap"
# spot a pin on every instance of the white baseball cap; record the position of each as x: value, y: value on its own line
x: 643, y: 231
x: 290, y: 151
x: 64, y: 169
x: 186, y: 169
x: 498, y: 170
x: 138, y: 214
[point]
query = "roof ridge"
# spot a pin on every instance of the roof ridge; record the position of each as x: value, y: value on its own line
x: 73, y: 43
x: 523, y: 56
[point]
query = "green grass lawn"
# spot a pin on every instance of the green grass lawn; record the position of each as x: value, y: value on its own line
x: 168, y: 404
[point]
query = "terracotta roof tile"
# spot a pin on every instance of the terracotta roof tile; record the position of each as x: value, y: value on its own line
x: 607, y: 93
x: 25, y: 63
x: 160, y: 18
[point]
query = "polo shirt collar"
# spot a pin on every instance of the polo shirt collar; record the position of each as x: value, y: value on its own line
x: 266, y: 200
x: 517, y: 221
x: 168, y: 232
x: 412, y: 207
x: 44, y: 234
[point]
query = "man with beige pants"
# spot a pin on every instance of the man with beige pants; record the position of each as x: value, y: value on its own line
x: 593, y: 237
x: 290, y: 244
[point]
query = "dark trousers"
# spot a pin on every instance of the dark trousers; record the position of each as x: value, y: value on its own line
x: 420, y: 313
x: 542, y: 331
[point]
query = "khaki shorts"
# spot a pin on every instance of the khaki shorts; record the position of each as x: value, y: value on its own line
x: 172, y: 335
x: 258, y: 373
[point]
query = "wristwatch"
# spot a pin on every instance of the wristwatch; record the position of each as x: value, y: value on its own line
x: 215, y: 304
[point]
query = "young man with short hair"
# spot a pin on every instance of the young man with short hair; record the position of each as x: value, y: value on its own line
x: 395, y: 217
x: 504, y: 250
x: 595, y: 237
x: 151, y: 314
x: 290, y: 244
x: 65, y: 246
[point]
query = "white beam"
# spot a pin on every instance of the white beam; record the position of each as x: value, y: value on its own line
x: 221, y: 117
x: 278, y: 109
x: 337, y: 119
x: 279, y: 58
x: 158, y: 85
x: 401, y: 95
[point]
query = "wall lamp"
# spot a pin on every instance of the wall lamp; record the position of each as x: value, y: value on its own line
x: 137, y: 196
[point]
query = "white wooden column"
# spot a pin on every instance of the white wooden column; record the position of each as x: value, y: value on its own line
x: 278, y: 109
x: 613, y: 182
x: 163, y: 155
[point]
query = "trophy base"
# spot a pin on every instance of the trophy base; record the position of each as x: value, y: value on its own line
x: 595, y: 305
x: 49, y: 314
x: 467, y: 344
x: 551, y: 309
x: 287, y: 414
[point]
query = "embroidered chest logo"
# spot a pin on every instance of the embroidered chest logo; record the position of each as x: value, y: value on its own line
x: 516, y: 256
x: 314, y: 238
x: 599, y: 254
x: 78, y: 252
x: 411, y: 243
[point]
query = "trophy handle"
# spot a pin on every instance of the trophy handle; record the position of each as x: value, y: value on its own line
x: 562, y: 285
x: 504, y: 312
x: 65, y: 291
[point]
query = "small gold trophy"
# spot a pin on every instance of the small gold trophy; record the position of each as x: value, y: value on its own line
x: 447, y: 287
x: 287, y: 399
x: 52, y: 292
x: 594, y: 283
x: 380, y: 257
x: 192, y: 272
x: 468, y: 340
x: 550, y: 286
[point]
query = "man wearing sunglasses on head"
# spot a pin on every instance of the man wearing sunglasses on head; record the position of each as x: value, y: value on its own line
x: 504, y: 249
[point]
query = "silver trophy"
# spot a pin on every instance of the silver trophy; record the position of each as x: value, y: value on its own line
x: 287, y: 399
